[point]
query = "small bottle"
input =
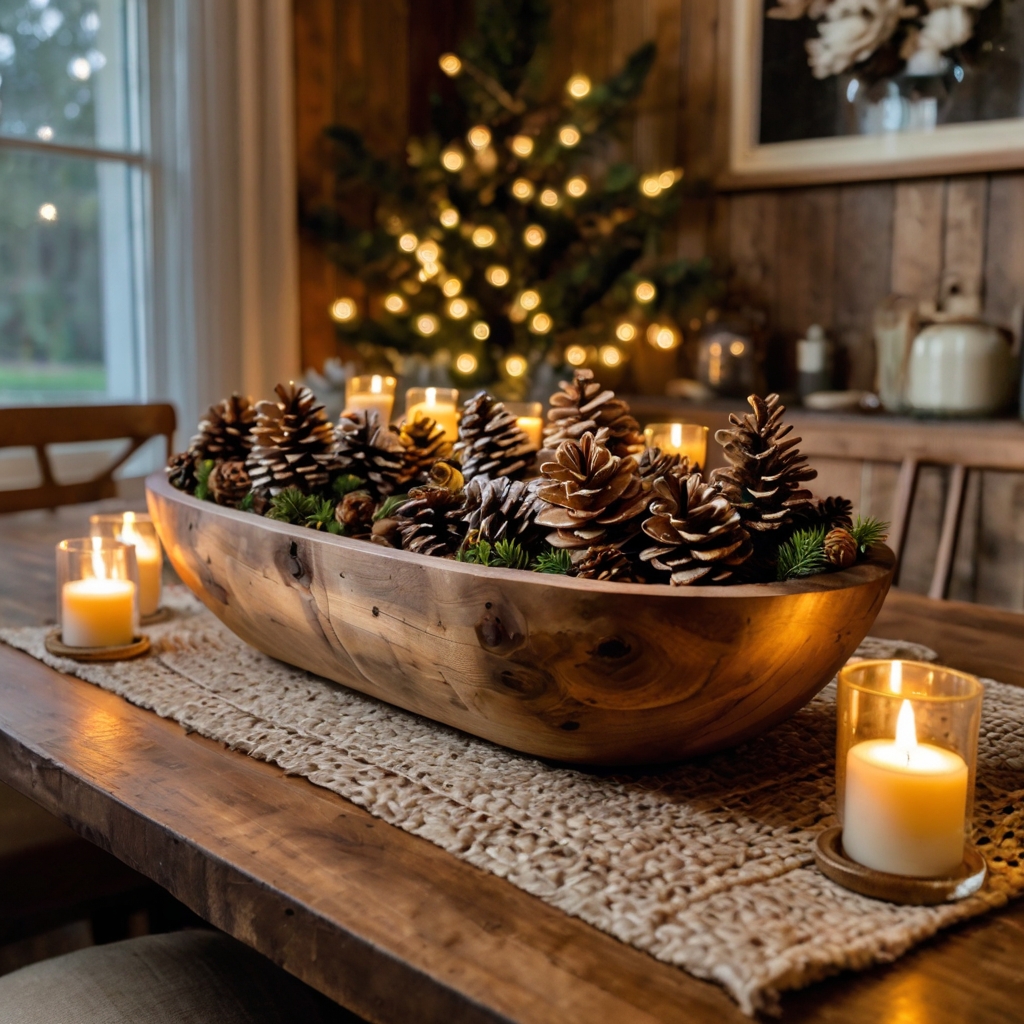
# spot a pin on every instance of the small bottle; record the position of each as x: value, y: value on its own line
x: 814, y: 362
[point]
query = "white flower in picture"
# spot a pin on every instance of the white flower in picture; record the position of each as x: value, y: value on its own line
x: 850, y: 32
x: 942, y: 29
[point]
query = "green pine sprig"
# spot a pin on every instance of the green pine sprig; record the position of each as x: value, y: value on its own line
x: 868, y: 532
x: 321, y: 516
x: 248, y: 503
x: 346, y: 484
x: 203, y: 470
x: 803, y: 554
x: 554, y: 561
x: 509, y: 554
x: 389, y: 506
x: 475, y: 554
x: 291, y: 506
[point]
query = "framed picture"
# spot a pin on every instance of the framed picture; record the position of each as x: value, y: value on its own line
x: 820, y: 92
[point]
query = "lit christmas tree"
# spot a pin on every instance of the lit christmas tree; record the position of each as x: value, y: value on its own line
x: 511, y: 234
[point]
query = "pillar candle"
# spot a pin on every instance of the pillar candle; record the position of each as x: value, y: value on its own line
x: 150, y: 561
x: 905, y: 804
x: 374, y: 392
x: 97, y: 613
x: 440, y: 409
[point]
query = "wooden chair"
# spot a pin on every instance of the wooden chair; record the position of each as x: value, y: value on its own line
x: 962, y: 446
x: 40, y: 426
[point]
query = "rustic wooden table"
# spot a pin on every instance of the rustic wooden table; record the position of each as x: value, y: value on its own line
x: 386, y: 923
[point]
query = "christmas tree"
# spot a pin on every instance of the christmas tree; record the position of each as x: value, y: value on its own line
x: 512, y: 233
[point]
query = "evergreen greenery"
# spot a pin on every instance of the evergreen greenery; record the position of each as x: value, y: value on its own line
x: 203, y: 470
x: 506, y: 554
x: 554, y: 561
x: 511, y: 192
x: 389, y: 506
x: 868, y: 532
x: 803, y: 554
x: 292, y: 506
x: 346, y: 484
x: 321, y: 515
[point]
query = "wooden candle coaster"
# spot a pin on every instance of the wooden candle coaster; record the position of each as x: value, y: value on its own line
x: 160, y: 615
x: 880, y: 885
x: 56, y: 646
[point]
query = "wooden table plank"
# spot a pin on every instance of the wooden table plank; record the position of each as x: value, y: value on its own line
x: 384, y: 922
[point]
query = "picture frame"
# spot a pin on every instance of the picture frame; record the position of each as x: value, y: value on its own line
x: 982, y: 146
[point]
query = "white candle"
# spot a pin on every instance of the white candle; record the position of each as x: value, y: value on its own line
x: 687, y: 439
x: 905, y: 804
x: 97, y: 613
x: 534, y: 428
x: 150, y: 561
x: 441, y: 410
x: 378, y: 397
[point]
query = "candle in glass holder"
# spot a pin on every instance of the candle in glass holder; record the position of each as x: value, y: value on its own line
x: 139, y: 532
x: 98, y: 600
x: 371, y: 391
x: 906, y: 749
x: 529, y: 419
x: 687, y: 439
x: 437, y: 404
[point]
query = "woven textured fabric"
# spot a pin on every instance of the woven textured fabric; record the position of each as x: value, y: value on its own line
x: 707, y: 865
x: 193, y: 977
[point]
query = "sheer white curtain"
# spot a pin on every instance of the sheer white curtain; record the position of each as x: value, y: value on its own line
x: 225, y: 274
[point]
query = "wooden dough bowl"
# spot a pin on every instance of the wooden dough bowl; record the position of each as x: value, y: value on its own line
x: 574, y: 670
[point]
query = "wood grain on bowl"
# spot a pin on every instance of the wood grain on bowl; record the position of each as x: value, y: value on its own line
x: 575, y: 670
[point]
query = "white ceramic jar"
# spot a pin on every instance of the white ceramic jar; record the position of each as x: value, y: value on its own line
x: 960, y: 369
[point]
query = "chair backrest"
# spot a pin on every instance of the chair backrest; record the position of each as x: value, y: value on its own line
x: 852, y: 441
x: 39, y: 426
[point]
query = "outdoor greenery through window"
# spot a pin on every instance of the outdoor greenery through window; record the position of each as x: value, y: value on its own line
x: 72, y: 201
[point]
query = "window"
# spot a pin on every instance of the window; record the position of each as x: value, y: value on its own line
x: 73, y: 201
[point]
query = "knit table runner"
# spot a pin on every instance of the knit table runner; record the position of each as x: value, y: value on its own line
x: 707, y: 865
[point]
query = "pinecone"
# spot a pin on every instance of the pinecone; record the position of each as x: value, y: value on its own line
x: 355, y: 513
x: 293, y: 443
x: 590, y: 496
x: 766, y: 472
x: 491, y: 443
x: 830, y: 513
x: 699, y: 534
x: 654, y: 463
x: 430, y: 522
x: 181, y: 471
x: 226, y: 433
x: 502, y: 509
x: 605, y: 562
x: 840, y: 547
x: 371, y: 452
x: 229, y: 482
x: 583, y: 406
x: 424, y: 443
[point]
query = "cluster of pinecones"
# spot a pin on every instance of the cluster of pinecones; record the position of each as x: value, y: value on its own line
x: 620, y: 512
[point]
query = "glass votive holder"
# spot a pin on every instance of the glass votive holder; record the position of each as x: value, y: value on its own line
x: 687, y: 439
x: 438, y: 404
x: 371, y: 391
x: 906, y: 756
x: 530, y: 419
x: 97, y: 593
x: 137, y: 529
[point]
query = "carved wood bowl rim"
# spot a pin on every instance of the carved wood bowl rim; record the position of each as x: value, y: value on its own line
x: 880, y: 562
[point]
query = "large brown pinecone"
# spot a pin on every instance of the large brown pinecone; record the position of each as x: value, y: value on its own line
x: 831, y: 513
x: 370, y: 451
x: 605, y: 562
x: 699, y: 534
x: 294, y: 443
x: 491, y: 443
x: 502, y: 509
x: 590, y: 496
x: 226, y: 434
x: 583, y: 406
x: 430, y: 522
x: 229, y: 482
x: 424, y: 443
x: 766, y: 471
x: 181, y: 471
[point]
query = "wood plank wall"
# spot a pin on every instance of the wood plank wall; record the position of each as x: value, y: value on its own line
x: 821, y: 254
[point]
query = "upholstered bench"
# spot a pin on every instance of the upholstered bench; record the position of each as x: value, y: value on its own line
x: 190, y: 977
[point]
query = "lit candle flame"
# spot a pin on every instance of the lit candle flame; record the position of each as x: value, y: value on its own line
x: 376, y: 384
x: 99, y: 570
x: 129, y: 535
x: 677, y: 435
x: 896, y: 676
x: 431, y: 397
x: 906, y: 729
